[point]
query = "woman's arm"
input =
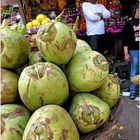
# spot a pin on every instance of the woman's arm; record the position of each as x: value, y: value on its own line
x: 125, y: 41
x: 126, y: 54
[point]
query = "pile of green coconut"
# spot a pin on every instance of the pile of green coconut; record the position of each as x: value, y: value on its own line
x: 59, y: 92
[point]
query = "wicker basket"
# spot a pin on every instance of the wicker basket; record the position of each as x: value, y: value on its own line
x: 108, y: 130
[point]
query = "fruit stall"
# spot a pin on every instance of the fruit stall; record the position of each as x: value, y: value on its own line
x: 8, y: 10
x: 37, y: 13
x: 53, y: 86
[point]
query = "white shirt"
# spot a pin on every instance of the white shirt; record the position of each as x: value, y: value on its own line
x: 94, y: 24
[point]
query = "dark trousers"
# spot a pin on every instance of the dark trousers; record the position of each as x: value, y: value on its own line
x: 96, y: 42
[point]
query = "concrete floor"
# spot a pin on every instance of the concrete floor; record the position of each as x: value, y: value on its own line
x: 129, y: 120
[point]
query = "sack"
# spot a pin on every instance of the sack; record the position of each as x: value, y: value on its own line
x: 123, y: 70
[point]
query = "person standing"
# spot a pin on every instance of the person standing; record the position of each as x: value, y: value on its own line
x: 131, y: 38
x: 94, y: 16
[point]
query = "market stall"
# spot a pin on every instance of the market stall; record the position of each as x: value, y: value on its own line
x: 6, y: 10
x: 72, y: 11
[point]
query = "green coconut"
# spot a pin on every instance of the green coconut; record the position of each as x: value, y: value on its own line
x: 41, y: 84
x: 57, y: 42
x: 19, y: 28
x: 8, y: 86
x: 87, y: 71
x: 14, y: 49
x: 13, y: 121
x: 50, y: 122
x: 35, y: 57
x: 81, y: 46
x: 88, y: 112
x: 109, y: 91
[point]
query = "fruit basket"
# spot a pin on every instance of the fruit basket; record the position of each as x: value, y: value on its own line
x: 108, y: 130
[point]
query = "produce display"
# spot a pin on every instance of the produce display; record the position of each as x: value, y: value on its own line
x: 14, y: 49
x: 81, y: 46
x: 34, y: 25
x: 9, y: 13
x: 51, y: 122
x: 20, y: 69
x: 42, y: 11
x: 87, y: 71
x: 73, y: 16
x: 34, y: 57
x: 70, y: 15
x: 15, y: 27
x: 13, y: 121
x: 19, y: 28
x: 61, y: 4
x: 9, y: 86
x: 104, y: 2
x: 38, y: 80
x: 88, y: 112
x: 116, y: 22
x: 61, y: 42
x: 61, y: 85
x: 110, y: 90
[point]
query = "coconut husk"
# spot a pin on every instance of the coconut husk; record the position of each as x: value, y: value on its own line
x: 108, y: 130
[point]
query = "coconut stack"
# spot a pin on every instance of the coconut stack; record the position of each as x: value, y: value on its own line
x: 61, y: 91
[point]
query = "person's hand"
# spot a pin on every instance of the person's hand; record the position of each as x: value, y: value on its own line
x: 126, y: 57
x: 100, y: 14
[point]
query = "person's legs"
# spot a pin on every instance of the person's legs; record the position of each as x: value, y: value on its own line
x: 93, y: 42
x: 102, y: 44
x: 134, y: 55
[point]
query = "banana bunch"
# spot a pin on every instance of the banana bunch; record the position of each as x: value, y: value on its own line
x: 5, y: 24
x: 20, y: 28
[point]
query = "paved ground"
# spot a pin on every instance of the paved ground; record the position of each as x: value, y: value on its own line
x: 129, y: 120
